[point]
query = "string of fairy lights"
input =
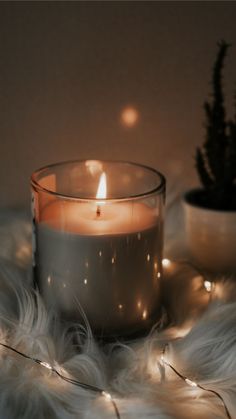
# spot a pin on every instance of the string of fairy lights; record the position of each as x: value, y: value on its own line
x: 77, y: 383
x: 162, y: 361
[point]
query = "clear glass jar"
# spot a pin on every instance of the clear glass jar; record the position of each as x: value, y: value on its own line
x: 98, y: 243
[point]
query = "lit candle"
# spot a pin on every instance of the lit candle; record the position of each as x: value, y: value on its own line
x: 101, y: 255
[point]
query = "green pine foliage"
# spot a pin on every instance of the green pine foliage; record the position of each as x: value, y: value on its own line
x: 216, y: 159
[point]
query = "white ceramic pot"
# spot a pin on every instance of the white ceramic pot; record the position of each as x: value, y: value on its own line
x: 211, y: 237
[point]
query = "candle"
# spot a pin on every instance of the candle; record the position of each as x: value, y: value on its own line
x: 101, y: 257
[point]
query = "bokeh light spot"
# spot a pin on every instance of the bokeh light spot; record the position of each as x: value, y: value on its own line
x: 129, y: 116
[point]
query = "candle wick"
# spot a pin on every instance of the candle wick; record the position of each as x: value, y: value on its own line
x: 98, y: 212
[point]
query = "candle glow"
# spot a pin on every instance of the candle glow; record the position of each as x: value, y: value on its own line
x: 88, y: 243
x: 101, y: 192
x: 102, y: 187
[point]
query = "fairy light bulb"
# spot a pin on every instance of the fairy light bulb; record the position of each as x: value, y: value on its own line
x: 208, y: 286
x: 190, y: 382
x: 166, y: 262
x: 46, y: 365
x: 107, y: 395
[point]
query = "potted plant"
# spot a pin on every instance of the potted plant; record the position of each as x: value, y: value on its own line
x: 210, y: 211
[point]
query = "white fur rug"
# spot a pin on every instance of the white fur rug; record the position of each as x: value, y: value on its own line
x: 143, y: 383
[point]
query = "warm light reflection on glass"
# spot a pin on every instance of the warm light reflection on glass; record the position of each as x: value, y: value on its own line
x: 148, y: 257
x: 120, y: 306
x: 139, y: 304
x: 129, y: 116
x: 158, y: 274
x: 100, y: 253
x: 139, y: 236
x: 64, y: 285
x: 144, y: 315
x: 94, y: 166
x: 85, y: 281
x: 49, y: 280
x: 155, y: 266
x: 113, y: 260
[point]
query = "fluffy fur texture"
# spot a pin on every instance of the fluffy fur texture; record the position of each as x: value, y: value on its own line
x: 201, y: 331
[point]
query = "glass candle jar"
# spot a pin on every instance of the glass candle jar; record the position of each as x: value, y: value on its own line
x: 98, y: 234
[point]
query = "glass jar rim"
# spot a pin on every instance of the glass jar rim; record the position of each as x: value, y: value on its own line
x: 157, y: 190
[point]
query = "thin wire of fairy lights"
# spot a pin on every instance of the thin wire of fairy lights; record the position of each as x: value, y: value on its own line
x: 77, y: 383
x: 209, y: 286
x: 163, y: 362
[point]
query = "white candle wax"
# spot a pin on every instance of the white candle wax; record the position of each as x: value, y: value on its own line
x: 84, y: 218
x: 107, y: 262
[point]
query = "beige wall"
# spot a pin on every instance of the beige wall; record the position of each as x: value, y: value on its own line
x: 68, y: 69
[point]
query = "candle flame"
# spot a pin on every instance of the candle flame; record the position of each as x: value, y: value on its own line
x: 102, y: 187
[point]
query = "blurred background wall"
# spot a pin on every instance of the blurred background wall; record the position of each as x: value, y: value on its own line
x: 69, y: 69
